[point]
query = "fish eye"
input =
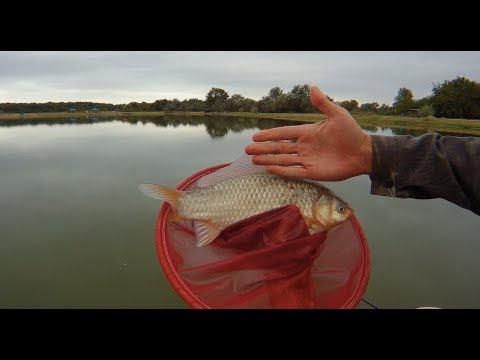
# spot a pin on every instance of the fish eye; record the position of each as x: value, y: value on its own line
x: 340, y: 208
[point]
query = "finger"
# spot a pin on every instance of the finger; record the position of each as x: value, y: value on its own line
x: 290, y: 171
x: 283, y: 159
x: 280, y: 133
x: 271, y: 148
x: 321, y: 102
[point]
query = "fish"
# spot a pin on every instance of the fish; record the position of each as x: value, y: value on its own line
x: 243, y: 189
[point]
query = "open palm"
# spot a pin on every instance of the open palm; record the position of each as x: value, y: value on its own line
x: 330, y: 150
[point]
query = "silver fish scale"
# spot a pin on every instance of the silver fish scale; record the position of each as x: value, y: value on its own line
x: 233, y: 200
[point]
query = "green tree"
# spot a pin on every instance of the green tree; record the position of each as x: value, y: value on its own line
x: 173, y: 105
x: 385, y: 110
x: 249, y: 104
x: 219, y: 107
x: 298, y: 99
x: 404, y: 101
x: 349, y: 105
x: 423, y: 101
x: 458, y: 98
x: 276, y: 101
x: 234, y: 103
x: 281, y: 104
x: 144, y: 106
x: 266, y: 104
x: 275, y: 93
x: 159, y: 105
x: 370, y: 107
x: 196, y: 105
x: 216, y: 95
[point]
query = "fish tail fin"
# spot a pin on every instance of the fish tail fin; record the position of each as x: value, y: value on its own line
x: 162, y: 193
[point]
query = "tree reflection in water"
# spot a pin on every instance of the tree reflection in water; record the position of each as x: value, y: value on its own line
x: 216, y: 126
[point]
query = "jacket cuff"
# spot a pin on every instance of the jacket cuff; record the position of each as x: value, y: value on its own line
x: 384, y: 165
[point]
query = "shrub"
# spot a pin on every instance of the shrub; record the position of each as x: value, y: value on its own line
x: 426, y: 110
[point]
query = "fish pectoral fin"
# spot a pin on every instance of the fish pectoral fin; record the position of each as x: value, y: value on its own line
x: 315, y: 229
x: 313, y: 226
x: 205, y: 232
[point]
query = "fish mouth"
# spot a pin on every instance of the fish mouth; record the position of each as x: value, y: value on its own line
x: 349, y: 217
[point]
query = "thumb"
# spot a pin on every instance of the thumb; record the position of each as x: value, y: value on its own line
x: 321, y: 102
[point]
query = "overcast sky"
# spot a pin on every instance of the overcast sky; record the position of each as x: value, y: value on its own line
x: 122, y: 77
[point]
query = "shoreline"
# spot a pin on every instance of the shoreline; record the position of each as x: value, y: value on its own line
x: 461, y: 126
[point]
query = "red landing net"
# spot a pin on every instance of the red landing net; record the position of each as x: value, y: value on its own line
x: 268, y: 261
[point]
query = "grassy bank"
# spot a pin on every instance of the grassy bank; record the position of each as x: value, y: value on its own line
x: 460, y: 126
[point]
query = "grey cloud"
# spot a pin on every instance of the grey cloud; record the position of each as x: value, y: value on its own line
x: 121, y: 77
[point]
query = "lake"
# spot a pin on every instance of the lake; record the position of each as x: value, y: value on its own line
x: 75, y: 231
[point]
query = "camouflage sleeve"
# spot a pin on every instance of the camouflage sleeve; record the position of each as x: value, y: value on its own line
x: 427, y: 167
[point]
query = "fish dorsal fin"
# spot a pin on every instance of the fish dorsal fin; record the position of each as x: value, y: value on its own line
x: 205, y: 232
x: 240, y: 167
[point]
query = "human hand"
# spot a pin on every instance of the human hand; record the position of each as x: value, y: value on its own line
x: 330, y: 150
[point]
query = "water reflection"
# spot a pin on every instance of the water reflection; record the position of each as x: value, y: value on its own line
x: 391, y: 131
x: 216, y: 126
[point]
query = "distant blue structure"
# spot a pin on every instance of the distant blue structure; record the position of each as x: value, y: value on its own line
x: 94, y: 110
x: 72, y: 110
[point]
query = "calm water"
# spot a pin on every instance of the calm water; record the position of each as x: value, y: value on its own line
x: 75, y: 232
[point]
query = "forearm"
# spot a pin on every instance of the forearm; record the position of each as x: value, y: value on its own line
x: 427, y: 167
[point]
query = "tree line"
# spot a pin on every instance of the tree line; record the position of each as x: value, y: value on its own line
x: 457, y: 98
